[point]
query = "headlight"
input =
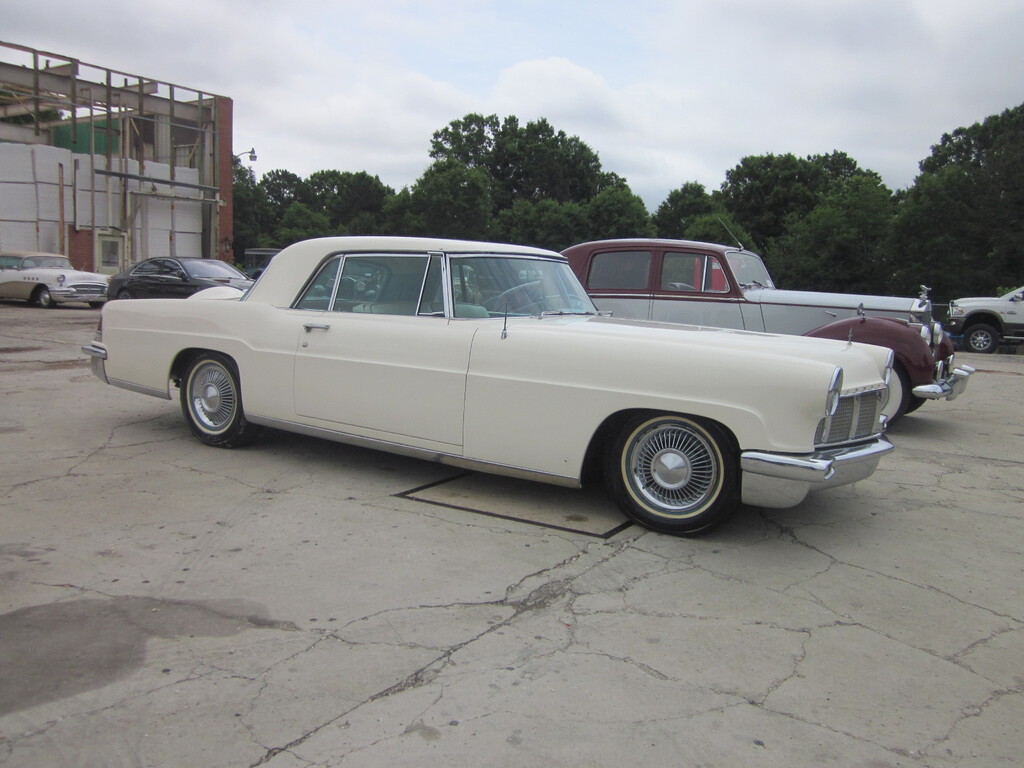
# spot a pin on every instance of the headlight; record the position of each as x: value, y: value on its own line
x: 955, y: 311
x: 887, y: 378
x: 835, y: 390
x: 932, y: 333
x: 61, y: 279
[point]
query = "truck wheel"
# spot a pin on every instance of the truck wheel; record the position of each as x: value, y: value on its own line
x: 982, y: 338
x: 673, y: 474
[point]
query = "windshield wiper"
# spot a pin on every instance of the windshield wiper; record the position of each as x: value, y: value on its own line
x: 558, y: 312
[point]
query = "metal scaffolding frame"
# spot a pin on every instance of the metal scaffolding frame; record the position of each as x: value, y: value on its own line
x: 51, y: 99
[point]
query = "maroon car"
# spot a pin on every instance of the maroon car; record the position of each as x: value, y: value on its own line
x: 681, y: 281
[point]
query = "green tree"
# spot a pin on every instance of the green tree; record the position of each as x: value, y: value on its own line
x: 616, y: 212
x: 301, y: 223
x: 251, y: 211
x: 961, y: 226
x: 353, y: 202
x: 840, y: 245
x: 765, y: 193
x: 451, y: 199
x: 281, y: 188
x: 544, y: 223
x: 678, y: 211
x: 532, y: 162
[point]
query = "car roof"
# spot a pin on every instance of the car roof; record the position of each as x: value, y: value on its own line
x: 23, y: 254
x: 650, y: 242
x: 289, y: 270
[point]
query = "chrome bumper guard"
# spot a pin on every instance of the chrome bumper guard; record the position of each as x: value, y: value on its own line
x: 946, y: 389
x: 98, y: 357
x: 782, y: 480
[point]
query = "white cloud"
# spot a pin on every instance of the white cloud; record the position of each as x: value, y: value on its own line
x: 666, y: 91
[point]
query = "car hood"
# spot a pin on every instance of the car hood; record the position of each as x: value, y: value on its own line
x: 70, y: 275
x: 750, y: 350
x: 844, y: 300
x: 975, y: 300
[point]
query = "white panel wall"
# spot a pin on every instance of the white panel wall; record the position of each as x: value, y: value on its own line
x: 31, y: 213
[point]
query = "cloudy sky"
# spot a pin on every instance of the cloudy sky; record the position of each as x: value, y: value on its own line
x: 665, y: 91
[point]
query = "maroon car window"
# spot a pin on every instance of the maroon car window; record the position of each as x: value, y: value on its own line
x: 693, y: 272
x: 623, y: 270
x: 682, y: 272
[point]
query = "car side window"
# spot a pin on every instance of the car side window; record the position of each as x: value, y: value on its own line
x: 317, y: 295
x: 381, y: 285
x: 693, y: 272
x: 153, y: 267
x: 622, y: 270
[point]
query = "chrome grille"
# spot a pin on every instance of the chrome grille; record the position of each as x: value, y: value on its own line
x: 90, y: 289
x: 857, y: 418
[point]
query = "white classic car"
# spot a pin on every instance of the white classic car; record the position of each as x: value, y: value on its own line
x: 492, y: 357
x: 48, y: 279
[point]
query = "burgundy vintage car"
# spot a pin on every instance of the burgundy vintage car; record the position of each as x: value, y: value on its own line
x: 681, y: 281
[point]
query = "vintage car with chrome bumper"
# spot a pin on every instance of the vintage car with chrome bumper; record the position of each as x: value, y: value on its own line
x: 491, y: 357
x: 49, y: 279
x: 683, y: 281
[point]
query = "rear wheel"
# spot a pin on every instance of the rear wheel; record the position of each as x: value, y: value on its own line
x: 124, y: 294
x: 673, y: 474
x: 982, y: 338
x: 211, y: 402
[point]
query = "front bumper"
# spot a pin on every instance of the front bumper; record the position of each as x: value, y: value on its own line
x: 777, y: 481
x: 86, y: 294
x: 946, y: 388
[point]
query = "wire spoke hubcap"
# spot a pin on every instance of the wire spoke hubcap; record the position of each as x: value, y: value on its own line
x: 674, y: 468
x: 213, y: 397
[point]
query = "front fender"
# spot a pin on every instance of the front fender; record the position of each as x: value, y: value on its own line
x: 908, y: 347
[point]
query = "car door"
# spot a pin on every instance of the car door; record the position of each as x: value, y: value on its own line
x: 149, y: 279
x: 371, y: 362
x: 694, y: 288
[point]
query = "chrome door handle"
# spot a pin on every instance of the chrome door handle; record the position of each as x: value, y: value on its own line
x: 316, y: 327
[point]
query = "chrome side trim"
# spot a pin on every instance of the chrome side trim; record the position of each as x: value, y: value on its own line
x: 151, y: 391
x: 426, y: 454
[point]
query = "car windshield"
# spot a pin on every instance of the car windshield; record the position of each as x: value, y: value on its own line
x: 47, y: 262
x: 213, y: 268
x: 489, y: 286
x: 749, y: 270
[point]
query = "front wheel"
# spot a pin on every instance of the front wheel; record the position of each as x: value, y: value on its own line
x: 982, y: 338
x: 211, y: 402
x: 44, y: 298
x: 673, y: 474
x: 900, y: 395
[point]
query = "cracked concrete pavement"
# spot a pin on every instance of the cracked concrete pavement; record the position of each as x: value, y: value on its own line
x: 167, y: 604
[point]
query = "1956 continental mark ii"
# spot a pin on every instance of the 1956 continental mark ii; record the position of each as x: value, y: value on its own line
x: 493, y: 357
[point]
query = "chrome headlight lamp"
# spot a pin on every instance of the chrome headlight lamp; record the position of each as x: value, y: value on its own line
x: 887, y: 378
x: 835, y: 391
x: 61, y: 278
